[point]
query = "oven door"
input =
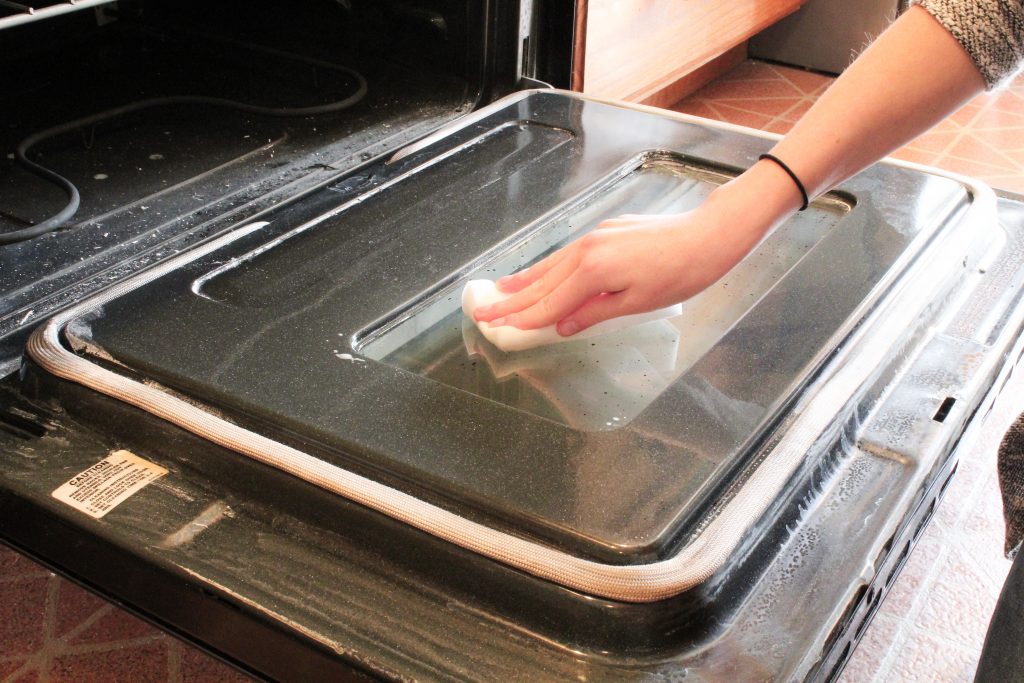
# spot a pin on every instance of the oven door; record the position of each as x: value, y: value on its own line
x: 287, y: 444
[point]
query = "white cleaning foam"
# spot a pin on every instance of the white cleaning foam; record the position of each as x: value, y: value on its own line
x: 507, y: 338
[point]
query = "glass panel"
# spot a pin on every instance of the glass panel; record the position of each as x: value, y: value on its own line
x: 600, y: 383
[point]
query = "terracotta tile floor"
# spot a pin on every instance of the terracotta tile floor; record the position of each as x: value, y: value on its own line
x: 985, y: 139
x: 52, y: 630
x: 931, y: 626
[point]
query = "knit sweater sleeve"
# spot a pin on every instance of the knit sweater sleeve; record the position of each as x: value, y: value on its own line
x: 991, y: 31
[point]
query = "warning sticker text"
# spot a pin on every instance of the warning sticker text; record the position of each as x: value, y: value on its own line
x: 99, y: 489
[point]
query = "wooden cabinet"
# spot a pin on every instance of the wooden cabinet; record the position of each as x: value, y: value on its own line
x: 656, y: 51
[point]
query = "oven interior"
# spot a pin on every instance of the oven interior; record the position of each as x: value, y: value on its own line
x: 168, y: 117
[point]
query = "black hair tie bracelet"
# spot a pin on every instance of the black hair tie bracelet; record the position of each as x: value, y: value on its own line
x: 789, y: 172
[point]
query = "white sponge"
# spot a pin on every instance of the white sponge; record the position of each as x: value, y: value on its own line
x: 507, y: 338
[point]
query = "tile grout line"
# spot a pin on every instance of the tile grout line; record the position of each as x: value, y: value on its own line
x: 49, y: 628
x: 53, y: 647
x: 174, y: 653
x: 905, y: 628
x: 909, y: 628
x: 39, y: 660
x: 965, y: 129
x: 113, y: 645
x: 988, y: 485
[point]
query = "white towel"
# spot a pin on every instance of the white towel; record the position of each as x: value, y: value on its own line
x: 507, y: 338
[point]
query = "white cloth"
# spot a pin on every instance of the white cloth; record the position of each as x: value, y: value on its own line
x: 479, y: 293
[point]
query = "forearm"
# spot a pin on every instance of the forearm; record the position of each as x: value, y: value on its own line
x: 911, y: 78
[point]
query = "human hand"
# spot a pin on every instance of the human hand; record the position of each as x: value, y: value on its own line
x: 634, y: 264
x: 629, y: 264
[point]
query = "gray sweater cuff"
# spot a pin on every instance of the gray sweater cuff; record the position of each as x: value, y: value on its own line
x: 991, y: 31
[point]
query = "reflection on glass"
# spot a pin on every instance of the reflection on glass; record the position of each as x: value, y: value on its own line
x: 604, y: 382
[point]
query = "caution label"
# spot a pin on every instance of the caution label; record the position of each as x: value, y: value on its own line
x: 108, y: 483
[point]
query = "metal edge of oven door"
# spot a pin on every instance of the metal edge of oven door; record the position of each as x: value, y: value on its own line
x: 950, y: 388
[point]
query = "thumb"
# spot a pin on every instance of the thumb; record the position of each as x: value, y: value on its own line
x: 597, y: 309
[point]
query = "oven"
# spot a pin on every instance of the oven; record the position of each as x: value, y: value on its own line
x: 240, y: 397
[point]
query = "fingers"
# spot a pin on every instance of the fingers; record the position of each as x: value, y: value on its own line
x: 567, y: 297
x: 604, y: 260
x: 530, y: 295
x: 517, y: 281
x: 598, y: 309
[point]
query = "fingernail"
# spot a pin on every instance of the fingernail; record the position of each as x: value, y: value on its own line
x: 481, y: 311
x: 497, y: 322
x: 567, y: 328
x: 504, y: 279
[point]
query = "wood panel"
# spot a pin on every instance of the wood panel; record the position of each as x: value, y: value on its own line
x: 635, y: 49
x: 676, y: 90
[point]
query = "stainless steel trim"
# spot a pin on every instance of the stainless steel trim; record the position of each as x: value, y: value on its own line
x: 31, y: 14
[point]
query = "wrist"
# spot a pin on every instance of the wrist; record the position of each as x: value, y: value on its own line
x: 805, y: 200
x: 751, y: 204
